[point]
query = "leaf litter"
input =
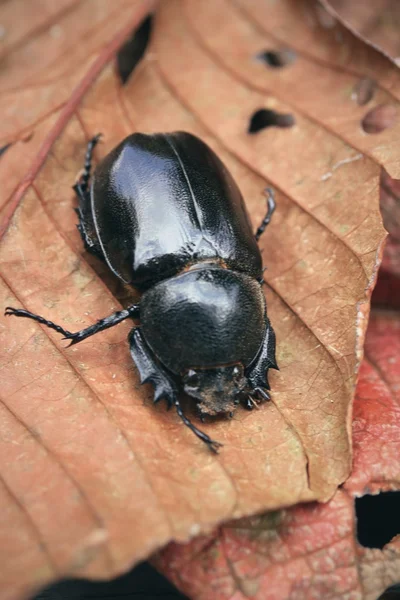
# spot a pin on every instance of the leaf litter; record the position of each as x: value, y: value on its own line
x: 80, y: 434
x: 315, y: 550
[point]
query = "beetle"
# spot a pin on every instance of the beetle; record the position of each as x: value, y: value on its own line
x: 167, y: 217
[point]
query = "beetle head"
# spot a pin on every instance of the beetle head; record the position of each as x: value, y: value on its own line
x: 217, y: 389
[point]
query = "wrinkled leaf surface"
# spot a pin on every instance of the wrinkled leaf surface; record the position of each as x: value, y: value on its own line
x: 311, y: 551
x: 81, y: 442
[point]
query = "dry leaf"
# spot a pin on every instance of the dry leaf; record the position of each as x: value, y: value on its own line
x: 376, y: 22
x: 379, y: 118
x: 50, y: 57
x: 311, y: 551
x: 81, y: 441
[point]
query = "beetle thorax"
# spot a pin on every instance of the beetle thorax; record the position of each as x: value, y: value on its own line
x: 204, y: 318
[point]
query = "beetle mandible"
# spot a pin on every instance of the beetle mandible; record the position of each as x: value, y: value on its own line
x: 167, y: 217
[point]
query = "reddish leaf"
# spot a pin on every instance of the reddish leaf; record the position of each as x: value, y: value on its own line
x: 81, y: 440
x: 311, y: 551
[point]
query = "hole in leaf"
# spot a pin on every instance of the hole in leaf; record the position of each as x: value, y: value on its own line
x: 141, y: 582
x: 4, y: 149
x: 264, y: 117
x: 391, y: 593
x: 390, y: 203
x: 379, y: 118
x: 277, y: 58
x: 130, y: 54
x: 363, y: 91
x: 378, y: 519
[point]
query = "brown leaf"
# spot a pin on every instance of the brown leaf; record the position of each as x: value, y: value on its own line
x: 379, y: 118
x: 82, y: 440
x: 50, y: 57
x: 311, y: 551
x: 377, y: 22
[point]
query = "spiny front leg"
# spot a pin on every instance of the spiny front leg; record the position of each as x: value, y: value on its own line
x: 256, y: 396
x: 257, y: 375
x: 117, y: 317
x: 151, y: 371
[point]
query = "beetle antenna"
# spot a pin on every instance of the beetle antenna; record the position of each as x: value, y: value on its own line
x: 214, y: 446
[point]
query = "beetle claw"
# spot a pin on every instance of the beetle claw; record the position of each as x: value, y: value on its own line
x: 213, y: 445
x: 252, y: 403
x: 249, y: 403
x: 72, y: 339
x: 264, y: 394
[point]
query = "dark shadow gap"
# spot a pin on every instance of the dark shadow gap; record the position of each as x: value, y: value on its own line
x: 141, y: 583
x: 379, y: 118
x: 378, y: 519
x: 263, y: 118
x: 392, y: 593
x: 132, y: 52
x: 364, y: 91
x: 277, y: 58
x: 4, y: 149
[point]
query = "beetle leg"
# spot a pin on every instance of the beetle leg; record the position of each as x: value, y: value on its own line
x: 262, y: 394
x: 86, y: 226
x: 257, y: 374
x: 253, y: 402
x: 261, y: 280
x: 269, y: 192
x: 151, y: 371
x: 78, y: 336
x: 201, y: 415
x: 84, y: 179
x: 249, y: 403
x: 212, y: 444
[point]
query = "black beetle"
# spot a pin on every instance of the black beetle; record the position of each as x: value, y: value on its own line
x: 167, y: 217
